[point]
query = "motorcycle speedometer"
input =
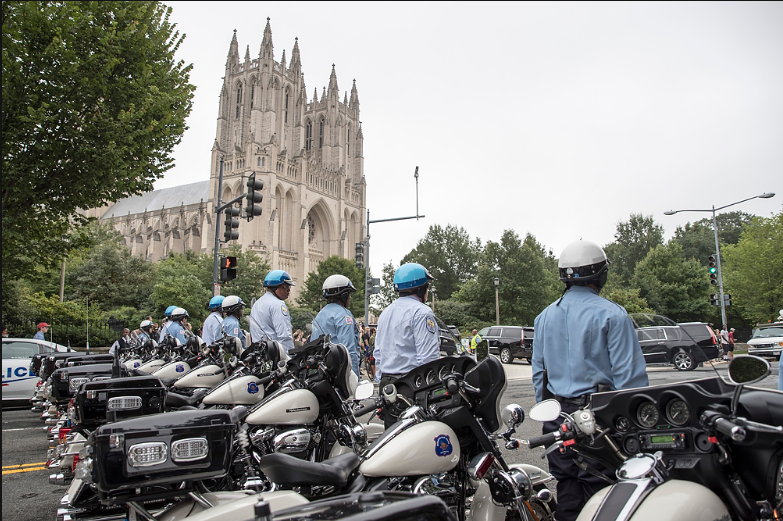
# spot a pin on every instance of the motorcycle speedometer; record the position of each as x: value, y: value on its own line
x: 647, y: 414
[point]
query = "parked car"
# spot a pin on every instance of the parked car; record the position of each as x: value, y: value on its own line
x: 509, y: 342
x: 674, y: 344
x: 767, y: 340
x: 18, y: 382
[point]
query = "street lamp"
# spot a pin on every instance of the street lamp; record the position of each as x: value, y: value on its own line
x: 497, y: 302
x: 717, y: 246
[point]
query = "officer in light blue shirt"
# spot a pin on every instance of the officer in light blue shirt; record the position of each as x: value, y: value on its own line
x: 269, y: 317
x: 337, y: 320
x: 144, y: 332
x: 232, y: 307
x: 407, y: 335
x: 211, y: 329
x: 166, y: 322
x: 582, y: 341
x: 176, y: 328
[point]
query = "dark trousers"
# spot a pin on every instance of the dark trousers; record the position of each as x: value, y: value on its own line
x: 574, y: 485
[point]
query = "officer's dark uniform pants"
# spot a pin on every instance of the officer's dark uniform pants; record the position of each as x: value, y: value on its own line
x: 574, y: 485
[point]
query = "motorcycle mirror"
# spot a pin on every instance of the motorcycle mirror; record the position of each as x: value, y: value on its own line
x: 512, y: 415
x: 363, y: 390
x: 545, y: 411
x: 748, y: 369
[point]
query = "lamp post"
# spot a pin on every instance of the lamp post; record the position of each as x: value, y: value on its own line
x: 497, y: 302
x: 717, y: 245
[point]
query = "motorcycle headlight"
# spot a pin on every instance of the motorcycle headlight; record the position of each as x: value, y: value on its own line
x: 83, y: 470
x: 190, y: 449
x: 147, y: 454
x: 124, y: 403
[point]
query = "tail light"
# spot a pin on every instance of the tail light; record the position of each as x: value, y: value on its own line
x: 75, y: 462
x: 63, y: 433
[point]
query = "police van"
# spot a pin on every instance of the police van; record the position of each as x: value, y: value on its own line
x: 18, y: 384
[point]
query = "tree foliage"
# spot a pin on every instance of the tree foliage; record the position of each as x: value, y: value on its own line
x: 312, y: 294
x: 449, y: 255
x: 752, y: 268
x: 387, y: 294
x: 93, y: 104
x: 633, y: 239
x: 528, y: 280
x: 698, y: 239
x: 179, y: 282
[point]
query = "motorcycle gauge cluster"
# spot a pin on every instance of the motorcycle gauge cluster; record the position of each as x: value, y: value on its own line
x: 677, y: 412
x: 622, y: 424
x: 647, y: 414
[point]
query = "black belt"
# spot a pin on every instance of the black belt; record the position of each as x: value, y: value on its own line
x: 581, y: 401
x: 396, y: 376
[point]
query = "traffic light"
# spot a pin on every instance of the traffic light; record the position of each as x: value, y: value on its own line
x: 228, y: 268
x: 359, y: 255
x: 253, y: 197
x: 713, y: 267
x: 373, y: 286
x: 231, y: 233
x: 726, y: 299
x: 715, y: 299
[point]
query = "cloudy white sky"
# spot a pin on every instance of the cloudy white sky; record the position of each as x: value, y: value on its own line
x: 555, y: 119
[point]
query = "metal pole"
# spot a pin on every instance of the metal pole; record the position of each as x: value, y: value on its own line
x: 367, y: 272
x: 416, y: 175
x: 497, y: 307
x: 720, y: 276
x: 88, y: 325
x: 215, y: 283
x: 62, y: 280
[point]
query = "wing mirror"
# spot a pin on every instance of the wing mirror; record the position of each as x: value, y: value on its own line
x: 748, y: 369
x: 512, y: 415
x: 363, y: 390
x: 545, y: 411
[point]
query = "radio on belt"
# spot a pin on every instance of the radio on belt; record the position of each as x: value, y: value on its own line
x: 671, y: 440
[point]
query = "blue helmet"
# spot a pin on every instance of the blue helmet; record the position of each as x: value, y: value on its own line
x: 411, y: 275
x: 216, y: 302
x: 169, y: 310
x: 277, y: 277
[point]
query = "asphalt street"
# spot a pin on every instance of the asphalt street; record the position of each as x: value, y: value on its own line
x: 28, y: 496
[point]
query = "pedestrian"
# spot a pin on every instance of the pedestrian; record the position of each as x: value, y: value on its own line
x: 5, y: 332
x: 583, y: 344
x: 269, y: 317
x: 728, y: 348
x: 298, y: 338
x: 475, y: 339
x: 407, y: 335
x: 123, y: 343
x: 43, y: 328
x: 337, y: 320
x: 370, y: 364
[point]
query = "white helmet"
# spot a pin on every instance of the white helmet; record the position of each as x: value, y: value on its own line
x: 232, y: 303
x: 337, y: 286
x: 582, y: 263
x: 178, y: 314
x: 145, y: 325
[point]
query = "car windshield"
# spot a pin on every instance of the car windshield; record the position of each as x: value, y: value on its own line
x: 767, y: 332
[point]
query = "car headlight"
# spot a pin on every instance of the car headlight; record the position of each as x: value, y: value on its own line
x: 147, y: 454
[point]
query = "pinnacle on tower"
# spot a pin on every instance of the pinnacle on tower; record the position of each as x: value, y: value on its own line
x: 333, y: 89
x: 323, y: 96
x: 296, y: 63
x: 354, y: 96
x: 315, y: 95
x: 267, y: 49
x: 247, y: 55
x: 282, y: 61
x: 233, y: 51
x: 345, y: 99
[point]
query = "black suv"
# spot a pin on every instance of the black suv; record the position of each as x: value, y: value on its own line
x: 673, y: 344
x: 509, y: 342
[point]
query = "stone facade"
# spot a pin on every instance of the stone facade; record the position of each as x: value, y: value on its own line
x: 308, y: 153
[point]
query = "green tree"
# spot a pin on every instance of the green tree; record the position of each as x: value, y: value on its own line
x: 312, y: 291
x: 627, y: 298
x: 528, y: 281
x: 449, y: 255
x: 387, y: 294
x: 752, y: 269
x: 252, y: 268
x: 633, y: 240
x: 93, y: 104
x: 673, y: 286
x: 698, y: 239
x: 179, y: 281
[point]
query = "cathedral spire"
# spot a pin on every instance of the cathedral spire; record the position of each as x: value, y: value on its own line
x: 354, y: 96
x: 247, y: 57
x: 315, y: 94
x: 282, y: 61
x: 296, y: 63
x: 323, y: 96
x: 267, y: 49
x: 345, y: 99
x: 333, y: 89
x: 233, y: 52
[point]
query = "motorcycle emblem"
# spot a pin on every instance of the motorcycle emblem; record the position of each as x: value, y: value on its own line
x: 252, y: 388
x: 443, y: 445
x: 179, y: 368
x: 136, y: 364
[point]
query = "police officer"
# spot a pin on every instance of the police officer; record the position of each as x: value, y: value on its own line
x: 269, y: 317
x: 475, y: 340
x: 337, y: 320
x: 407, y: 335
x: 145, y: 332
x: 177, y: 326
x: 232, y: 307
x: 211, y: 330
x: 583, y: 342
x: 166, y: 321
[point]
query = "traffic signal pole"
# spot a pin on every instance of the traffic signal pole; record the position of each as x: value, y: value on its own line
x: 215, y: 282
x: 720, y: 277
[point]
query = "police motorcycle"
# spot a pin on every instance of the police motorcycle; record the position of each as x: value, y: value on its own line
x: 701, y: 449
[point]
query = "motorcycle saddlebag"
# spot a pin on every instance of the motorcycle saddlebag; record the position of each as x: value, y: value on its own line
x: 150, y: 452
x: 124, y: 397
x: 66, y: 381
x: 88, y: 360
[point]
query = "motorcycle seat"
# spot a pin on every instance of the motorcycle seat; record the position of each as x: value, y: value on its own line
x: 286, y: 470
x: 168, y: 382
x: 180, y: 400
x: 138, y: 372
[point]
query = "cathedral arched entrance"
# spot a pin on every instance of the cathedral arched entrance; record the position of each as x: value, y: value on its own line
x: 321, y: 234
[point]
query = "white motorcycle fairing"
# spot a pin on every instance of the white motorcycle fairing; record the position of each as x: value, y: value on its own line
x: 204, y: 376
x: 286, y: 407
x: 674, y: 500
x: 133, y: 363
x: 173, y: 370
x: 244, y: 390
x: 430, y: 447
x: 232, y: 505
x: 373, y: 430
x: 151, y: 366
x: 484, y: 509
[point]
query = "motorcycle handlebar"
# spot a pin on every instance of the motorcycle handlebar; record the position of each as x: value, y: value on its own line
x: 366, y: 409
x: 546, y: 439
x: 730, y: 429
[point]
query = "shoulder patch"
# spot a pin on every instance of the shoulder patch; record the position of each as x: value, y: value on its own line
x: 284, y: 309
x: 431, y: 327
x: 348, y: 319
x: 236, y: 330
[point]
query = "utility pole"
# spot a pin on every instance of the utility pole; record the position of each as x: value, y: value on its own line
x: 215, y: 283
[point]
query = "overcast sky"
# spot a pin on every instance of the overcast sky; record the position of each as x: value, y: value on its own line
x: 555, y: 119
